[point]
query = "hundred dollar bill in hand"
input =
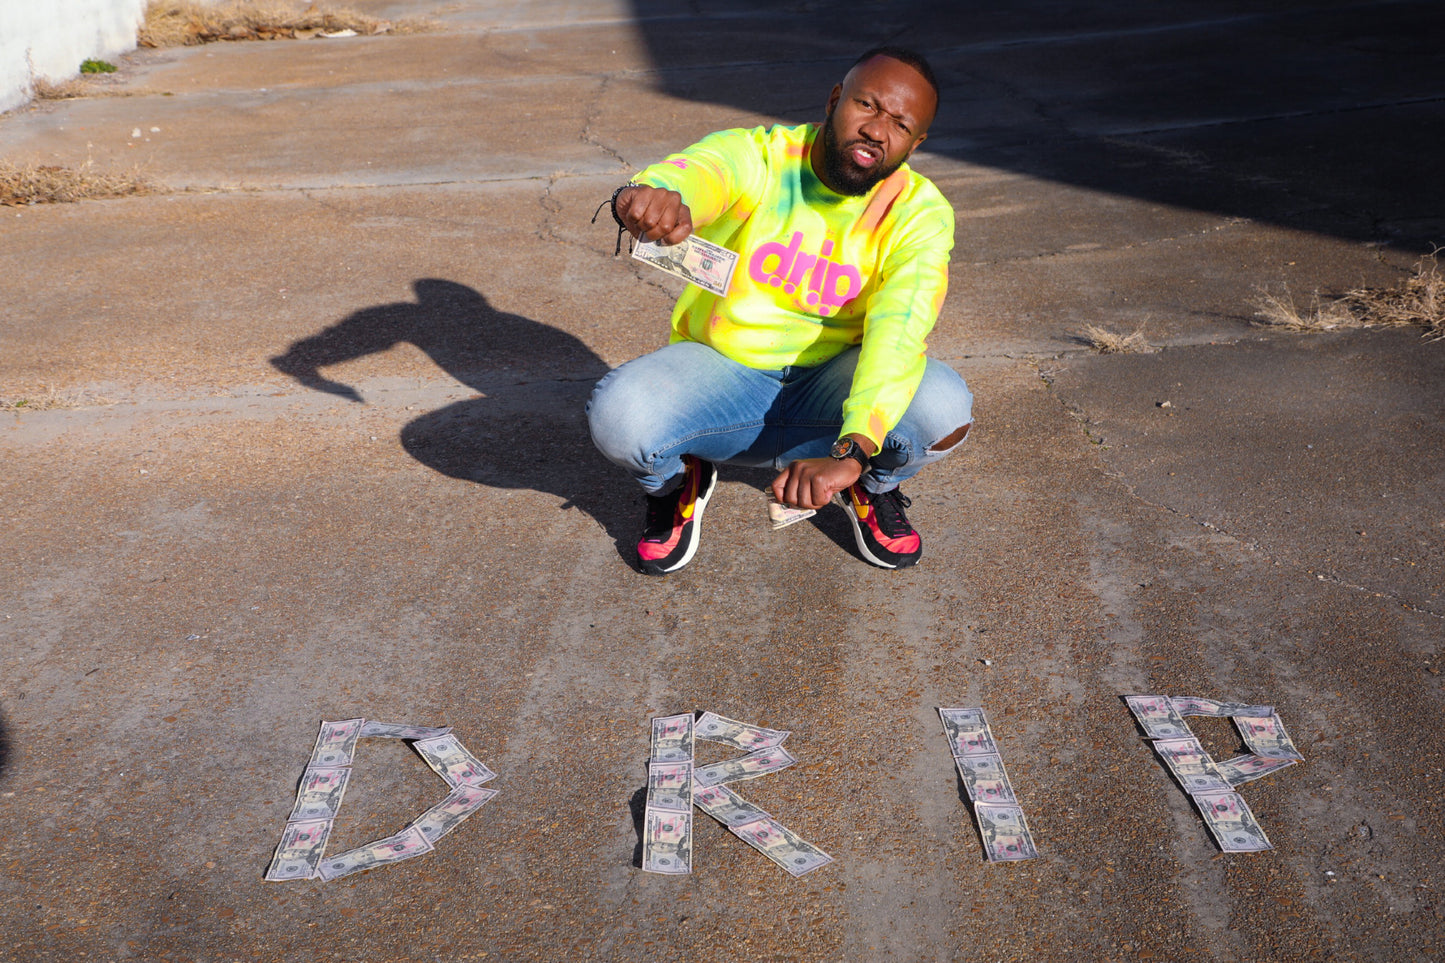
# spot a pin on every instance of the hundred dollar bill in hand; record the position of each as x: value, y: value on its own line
x: 300, y: 850
x: 667, y: 842
x: 1158, y: 717
x: 1231, y: 822
x: 404, y: 845
x: 1191, y: 765
x: 739, y: 735
x: 695, y: 260
x: 452, y: 811
x: 781, y: 516
x: 672, y: 738
x: 726, y: 806
x: 336, y: 743
x: 1006, y: 834
x: 319, y: 796
x: 782, y: 846
x: 1266, y: 737
x: 754, y: 764
x: 452, y: 761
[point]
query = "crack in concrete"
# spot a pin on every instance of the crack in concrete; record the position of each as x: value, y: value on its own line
x: 1249, y: 544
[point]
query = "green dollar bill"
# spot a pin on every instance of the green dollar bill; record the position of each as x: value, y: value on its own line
x: 782, y: 846
x: 300, y: 850
x: 1228, y: 817
x: 667, y: 842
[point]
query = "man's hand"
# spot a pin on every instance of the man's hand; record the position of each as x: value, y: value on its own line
x: 812, y: 482
x: 654, y: 214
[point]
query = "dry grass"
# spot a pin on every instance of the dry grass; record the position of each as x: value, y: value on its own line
x: 1105, y: 341
x: 75, y: 88
x: 1279, y: 311
x: 1420, y: 302
x: 181, y: 23
x: 49, y: 184
x: 53, y: 399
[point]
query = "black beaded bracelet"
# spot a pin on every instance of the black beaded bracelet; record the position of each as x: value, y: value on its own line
x: 612, y: 203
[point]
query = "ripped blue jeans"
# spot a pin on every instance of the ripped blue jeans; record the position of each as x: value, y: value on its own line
x: 687, y: 399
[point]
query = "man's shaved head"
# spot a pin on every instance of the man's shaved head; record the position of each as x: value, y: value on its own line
x: 905, y: 55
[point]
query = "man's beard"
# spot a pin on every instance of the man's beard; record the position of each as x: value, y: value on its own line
x: 844, y: 174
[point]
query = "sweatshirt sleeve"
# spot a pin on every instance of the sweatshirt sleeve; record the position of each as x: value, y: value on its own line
x: 901, y: 312
x: 712, y: 174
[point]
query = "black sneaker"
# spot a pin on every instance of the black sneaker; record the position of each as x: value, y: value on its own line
x: 675, y: 519
x: 884, y: 535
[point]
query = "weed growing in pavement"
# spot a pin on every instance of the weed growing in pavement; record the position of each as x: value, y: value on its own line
x: 97, y: 67
x: 1280, y: 312
x: 49, y: 184
x: 1419, y: 302
x: 59, y: 89
x: 53, y: 399
x: 180, y: 23
x: 1105, y: 341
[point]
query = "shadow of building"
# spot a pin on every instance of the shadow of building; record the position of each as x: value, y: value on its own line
x: 1326, y: 117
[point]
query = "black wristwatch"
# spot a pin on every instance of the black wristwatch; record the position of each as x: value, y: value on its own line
x: 846, y: 447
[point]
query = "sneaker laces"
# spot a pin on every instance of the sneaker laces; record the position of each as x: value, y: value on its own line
x: 889, y: 507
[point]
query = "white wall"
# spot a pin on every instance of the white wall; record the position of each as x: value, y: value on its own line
x: 51, y: 37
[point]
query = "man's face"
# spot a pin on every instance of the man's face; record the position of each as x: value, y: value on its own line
x: 876, y: 117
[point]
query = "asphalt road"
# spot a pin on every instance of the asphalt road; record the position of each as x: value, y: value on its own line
x: 309, y: 445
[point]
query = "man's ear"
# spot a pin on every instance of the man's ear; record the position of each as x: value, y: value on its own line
x: 916, y: 144
x: 833, y: 98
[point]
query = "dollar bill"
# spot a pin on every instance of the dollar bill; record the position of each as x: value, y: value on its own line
x: 300, y: 850
x: 1191, y: 765
x: 982, y: 766
x: 404, y: 845
x: 452, y: 811
x: 667, y: 842
x: 1195, y: 706
x: 739, y: 735
x: 392, y: 730
x: 452, y: 761
x: 669, y: 786
x: 987, y: 789
x: 1265, y: 736
x: 968, y: 732
x: 695, y: 260
x: 754, y: 764
x: 781, y: 516
x: 672, y: 738
x: 1242, y: 769
x: 1005, y: 832
x: 319, y: 796
x: 726, y: 806
x: 336, y: 743
x: 782, y: 846
x: 1158, y: 717
x: 1231, y: 822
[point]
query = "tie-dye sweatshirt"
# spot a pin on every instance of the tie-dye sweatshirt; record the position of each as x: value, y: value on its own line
x: 817, y: 272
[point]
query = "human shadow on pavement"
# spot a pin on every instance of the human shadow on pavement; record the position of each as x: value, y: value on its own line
x: 528, y: 430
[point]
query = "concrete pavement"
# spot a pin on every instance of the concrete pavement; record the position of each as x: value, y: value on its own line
x: 317, y: 451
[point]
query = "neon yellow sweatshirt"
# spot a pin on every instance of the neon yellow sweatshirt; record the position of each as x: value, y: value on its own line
x: 817, y: 272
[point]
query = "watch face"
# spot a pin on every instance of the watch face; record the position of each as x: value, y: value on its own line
x: 843, y: 447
